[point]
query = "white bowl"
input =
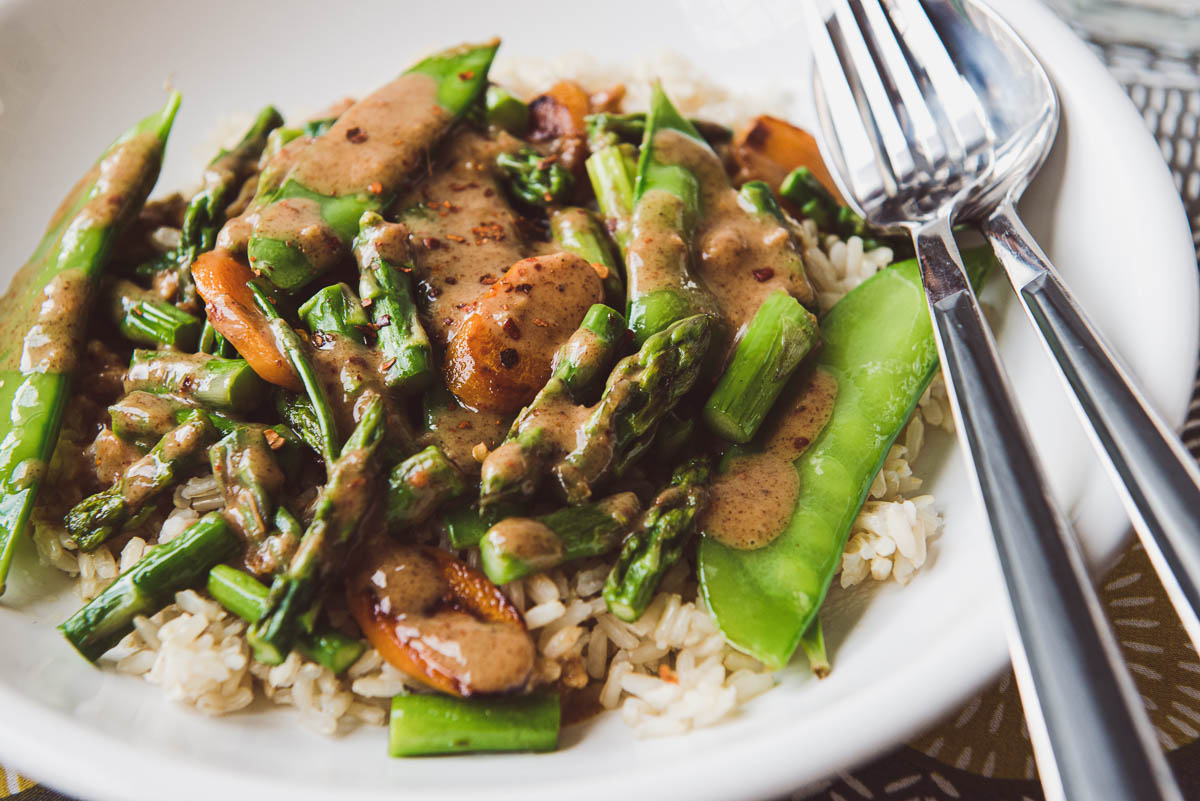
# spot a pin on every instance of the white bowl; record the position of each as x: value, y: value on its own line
x: 74, y: 74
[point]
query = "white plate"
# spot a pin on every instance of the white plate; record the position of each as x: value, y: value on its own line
x: 73, y: 74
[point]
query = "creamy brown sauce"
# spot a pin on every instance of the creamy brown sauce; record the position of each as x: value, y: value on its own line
x: 752, y: 500
x: 251, y: 460
x: 500, y: 355
x: 139, y: 484
x: 657, y: 254
x: 414, y: 596
x: 739, y: 257
x: 528, y: 540
x: 346, y: 371
x: 458, y: 430
x: 111, y: 456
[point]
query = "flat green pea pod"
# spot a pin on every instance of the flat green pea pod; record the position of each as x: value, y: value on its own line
x: 879, y: 346
x: 43, y: 316
x: 306, y: 224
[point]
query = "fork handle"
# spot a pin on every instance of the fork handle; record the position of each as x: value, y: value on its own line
x: 1157, y: 478
x: 1091, y: 736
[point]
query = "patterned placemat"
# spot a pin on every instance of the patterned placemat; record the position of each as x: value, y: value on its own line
x: 982, y: 752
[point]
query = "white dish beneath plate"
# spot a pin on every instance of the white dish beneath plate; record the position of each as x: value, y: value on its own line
x: 74, y: 74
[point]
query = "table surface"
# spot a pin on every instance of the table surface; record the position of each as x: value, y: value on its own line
x: 982, y: 752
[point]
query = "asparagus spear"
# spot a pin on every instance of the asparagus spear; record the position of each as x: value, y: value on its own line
x: 520, y: 462
x: 297, y: 413
x: 391, y: 154
x: 657, y: 541
x: 290, y: 345
x: 144, y: 318
x: 419, y: 485
x: 504, y: 110
x: 613, y: 172
x: 640, y: 390
x: 424, y: 725
x: 340, y: 506
x: 222, y: 181
x: 97, y: 517
x: 778, y: 338
x: 519, y: 546
x: 666, y: 208
x: 228, y: 385
x: 534, y: 179
x: 407, y: 358
x: 246, y: 597
x: 150, y: 585
x: 578, y: 231
x: 466, y: 525
x: 336, y: 310
x: 44, y: 313
x: 244, y: 466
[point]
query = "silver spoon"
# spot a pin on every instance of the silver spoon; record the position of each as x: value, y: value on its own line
x: 1157, y: 479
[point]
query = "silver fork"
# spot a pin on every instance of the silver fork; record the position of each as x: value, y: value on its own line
x: 910, y: 146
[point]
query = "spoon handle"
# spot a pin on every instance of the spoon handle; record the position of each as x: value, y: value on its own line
x: 1087, y: 725
x: 1158, y: 480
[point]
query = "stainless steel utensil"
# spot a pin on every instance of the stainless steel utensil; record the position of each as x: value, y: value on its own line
x: 907, y: 138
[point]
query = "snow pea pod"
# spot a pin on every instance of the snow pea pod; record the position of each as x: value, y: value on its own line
x: 879, y: 346
x: 43, y: 316
x: 305, y: 225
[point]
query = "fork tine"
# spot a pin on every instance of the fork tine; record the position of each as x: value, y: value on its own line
x: 924, y: 130
x: 853, y: 140
x: 891, y: 133
x: 952, y: 92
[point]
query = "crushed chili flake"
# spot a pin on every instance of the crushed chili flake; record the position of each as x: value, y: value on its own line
x: 375, y: 188
x: 800, y: 443
x: 509, y: 357
x: 388, y: 364
x: 601, y: 269
x: 466, y: 75
x: 524, y: 289
x: 433, y: 204
x: 488, y: 232
x: 666, y: 674
x: 356, y: 135
x: 456, y: 238
x: 489, y: 192
x: 463, y: 425
x: 366, y: 302
x: 763, y: 274
x: 540, y: 323
x: 511, y: 328
x: 487, y: 279
x: 431, y: 243
x: 451, y: 280
x: 274, y: 441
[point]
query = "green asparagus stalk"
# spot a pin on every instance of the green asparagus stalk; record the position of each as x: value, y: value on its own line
x: 813, y: 201
x: 534, y: 179
x: 97, y: 517
x: 290, y: 345
x: 640, y: 390
x: 425, y: 725
x: 244, y: 466
x: 518, y: 546
x: 227, y: 385
x: 657, y: 541
x: 144, y: 318
x: 578, y: 231
x: 778, y: 338
x: 407, y: 358
x: 504, y: 110
x: 289, y: 259
x: 813, y: 643
x: 246, y: 597
x: 296, y: 411
x: 419, y: 485
x: 43, y: 340
x: 521, y: 461
x: 613, y: 173
x: 757, y: 199
x: 222, y: 181
x: 607, y: 128
x: 335, y: 310
x: 666, y: 209
x: 466, y: 525
x: 339, y: 508
x: 150, y: 585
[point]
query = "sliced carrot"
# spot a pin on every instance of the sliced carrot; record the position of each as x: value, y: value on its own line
x: 222, y: 281
x: 768, y: 148
x: 560, y: 112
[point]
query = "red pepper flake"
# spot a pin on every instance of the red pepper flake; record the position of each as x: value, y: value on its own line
x: 487, y: 279
x: 375, y: 188
x: 509, y: 357
x: 800, y: 443
x: 318, y: 338
x: 463, y: 425
x: 763, y: 274
x: 138, y: 311
x: 451, y: 280
x: 366, y: 302
x: 540, y: 323
x: 524, y: 289
x: 549, y: 198
x: 356, y: 136
x: 456, y: 238
x: 466, y: 75
x: 388, y: 364
x: 431, y: 243
x: 274, y: 441
x: 384, y: 322
x: 433, y: 204
x: 666, y: 674
x: 511, y: 328
x: 488, y: 192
